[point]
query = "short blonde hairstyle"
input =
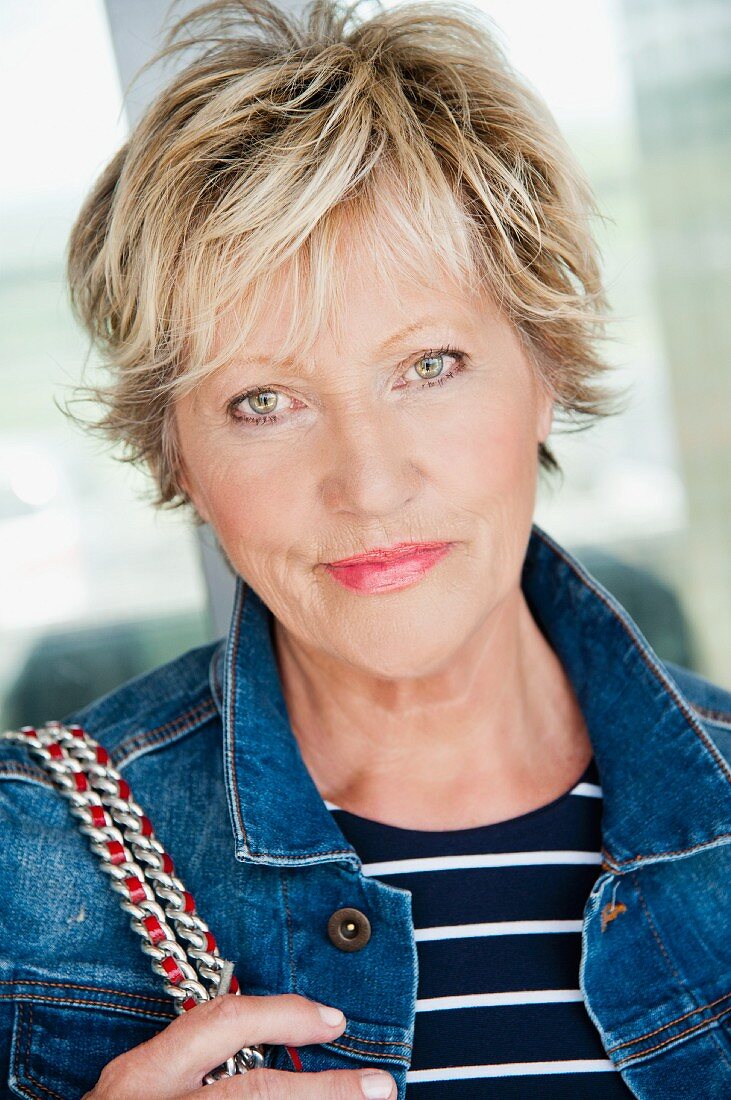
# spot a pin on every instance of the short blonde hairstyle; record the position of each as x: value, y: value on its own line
x: 409, y: 126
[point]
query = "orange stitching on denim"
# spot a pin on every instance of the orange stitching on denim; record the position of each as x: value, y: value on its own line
x: 677, y: 1020
x: 38, y: 1084
x: 674, y: 852
x: 149, y: 738
x: 714, y: 715
x: 83, y: 1004
x: 354, y: 1050
x: 90, y: 988
x: 135, y: 738
x: 673, y: 1038
x: 16, y: 1059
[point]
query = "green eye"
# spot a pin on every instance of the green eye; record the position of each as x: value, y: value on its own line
x: 266, y: 405
x: 433, y: 366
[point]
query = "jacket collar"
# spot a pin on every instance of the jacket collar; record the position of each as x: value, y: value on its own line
x: 665, y: 787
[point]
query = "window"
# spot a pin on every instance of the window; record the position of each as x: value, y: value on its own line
x: 94, y: 586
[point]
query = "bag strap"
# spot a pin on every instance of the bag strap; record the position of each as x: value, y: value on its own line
x: 182, y: 950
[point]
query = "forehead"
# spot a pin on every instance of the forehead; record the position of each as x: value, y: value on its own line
x: 362, y: 306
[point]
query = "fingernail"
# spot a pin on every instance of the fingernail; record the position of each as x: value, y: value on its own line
x: 376, y: 1086
x: 331, y: 1016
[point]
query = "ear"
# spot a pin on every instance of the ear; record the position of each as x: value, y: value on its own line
x: 544, y: 421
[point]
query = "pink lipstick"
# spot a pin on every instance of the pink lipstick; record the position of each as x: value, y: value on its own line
x: 388, y: 569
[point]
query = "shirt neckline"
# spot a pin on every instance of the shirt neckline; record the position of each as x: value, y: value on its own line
x: 588, y: 775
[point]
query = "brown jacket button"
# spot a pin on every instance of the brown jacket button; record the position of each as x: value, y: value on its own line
x: 349, y: 929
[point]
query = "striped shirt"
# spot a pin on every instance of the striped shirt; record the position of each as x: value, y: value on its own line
x: 497, y: 913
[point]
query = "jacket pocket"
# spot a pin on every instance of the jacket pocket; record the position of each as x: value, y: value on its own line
x: 361, y: 1044
x: 61, y: 1043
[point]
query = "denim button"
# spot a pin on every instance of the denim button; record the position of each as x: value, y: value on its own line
x: 349, y: 929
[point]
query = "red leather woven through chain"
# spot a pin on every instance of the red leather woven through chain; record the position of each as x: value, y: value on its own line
x: 140, y: 889
x: 99, y: 818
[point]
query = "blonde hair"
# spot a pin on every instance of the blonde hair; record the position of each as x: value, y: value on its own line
x: 409, y: 126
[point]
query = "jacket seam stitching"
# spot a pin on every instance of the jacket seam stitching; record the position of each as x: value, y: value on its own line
x: 25, y: 771
x: 384, y: 1054
x: 16, y: 1055
x: 674, y: 852
x: 77, y: 985
x: 290, y: 931
x: 714, y: 715
x: 376, y: 1042
x: 175, y: 727
x: 664, y: 1027
x: 673, y: 1038
x: 289, y: 861
x: 83, y: 1003
x: 29, y: 1075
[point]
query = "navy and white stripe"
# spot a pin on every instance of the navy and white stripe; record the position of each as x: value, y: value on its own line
x: 497, y: 920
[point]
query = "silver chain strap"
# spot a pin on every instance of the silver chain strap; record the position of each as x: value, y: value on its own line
x: 182, y: 949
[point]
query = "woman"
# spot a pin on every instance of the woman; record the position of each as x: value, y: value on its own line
x: 435, y: 781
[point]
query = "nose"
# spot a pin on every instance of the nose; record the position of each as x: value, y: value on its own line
x: 370, y: 467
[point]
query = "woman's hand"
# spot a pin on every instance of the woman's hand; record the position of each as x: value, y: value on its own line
x: 172, y: 1065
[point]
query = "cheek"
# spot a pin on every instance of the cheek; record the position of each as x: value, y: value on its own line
x: 491, y: 448
x: 254, y: 513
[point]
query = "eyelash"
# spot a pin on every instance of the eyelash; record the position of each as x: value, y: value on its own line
x: 272, y: 418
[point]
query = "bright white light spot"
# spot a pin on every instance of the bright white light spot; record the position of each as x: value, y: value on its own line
x: 33, y: 478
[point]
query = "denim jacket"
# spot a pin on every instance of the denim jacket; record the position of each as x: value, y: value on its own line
x: 207, y: 748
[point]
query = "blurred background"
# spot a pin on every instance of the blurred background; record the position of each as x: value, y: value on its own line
x: 95, y: 586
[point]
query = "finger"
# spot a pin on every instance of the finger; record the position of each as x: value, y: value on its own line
x: 177, y: 1058
x: 330, y: 1084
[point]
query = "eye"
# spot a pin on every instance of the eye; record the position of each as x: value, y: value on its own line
x: 431, y: 366
x: 257, y: 407
x: 261, y: 403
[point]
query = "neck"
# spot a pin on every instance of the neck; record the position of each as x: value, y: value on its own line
x: 492, y: 734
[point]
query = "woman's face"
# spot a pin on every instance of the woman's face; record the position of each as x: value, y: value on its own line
x: 365, y: 453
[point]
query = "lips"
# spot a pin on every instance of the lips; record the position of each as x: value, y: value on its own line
x: 388, y: 554
x: 389, y: 569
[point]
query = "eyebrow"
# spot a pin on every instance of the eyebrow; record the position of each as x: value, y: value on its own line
x: 391, y: 342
